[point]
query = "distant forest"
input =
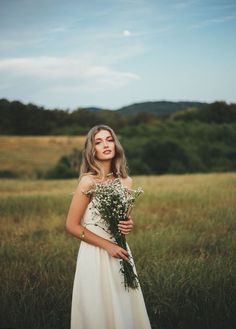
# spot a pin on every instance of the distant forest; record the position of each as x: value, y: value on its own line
x: 158, y: 137
x: 21, y: 119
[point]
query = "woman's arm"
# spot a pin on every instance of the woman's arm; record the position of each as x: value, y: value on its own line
x: 76, y: 211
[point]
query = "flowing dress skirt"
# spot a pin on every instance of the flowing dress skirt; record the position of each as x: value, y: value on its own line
x: 99, y: 298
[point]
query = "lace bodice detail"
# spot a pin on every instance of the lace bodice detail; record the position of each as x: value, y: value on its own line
x: 93, y: 221
x: 91, y: 215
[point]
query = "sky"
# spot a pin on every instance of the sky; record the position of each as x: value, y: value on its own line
x: 113, y: 53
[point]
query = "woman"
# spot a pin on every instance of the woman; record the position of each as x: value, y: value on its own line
x: 99, y: 298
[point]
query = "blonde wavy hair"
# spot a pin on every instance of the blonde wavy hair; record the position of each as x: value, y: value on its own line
x: 90, y: 165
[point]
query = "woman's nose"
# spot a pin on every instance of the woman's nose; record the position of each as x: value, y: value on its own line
x: 105, y: 144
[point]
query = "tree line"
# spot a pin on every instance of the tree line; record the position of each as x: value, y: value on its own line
x: 168, y: 148
x: 21, y: 119
x: 187, y: 141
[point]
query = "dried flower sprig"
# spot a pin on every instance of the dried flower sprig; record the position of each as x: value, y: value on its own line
x: 114, y: 203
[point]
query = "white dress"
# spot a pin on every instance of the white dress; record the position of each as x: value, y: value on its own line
x: 99, y: 298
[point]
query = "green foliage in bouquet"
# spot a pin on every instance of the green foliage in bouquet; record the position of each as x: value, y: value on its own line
x: 114, y: 203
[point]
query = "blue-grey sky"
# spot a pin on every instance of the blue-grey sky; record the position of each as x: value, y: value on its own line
x: 111, y: 53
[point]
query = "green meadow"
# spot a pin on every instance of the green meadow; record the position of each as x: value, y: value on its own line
x: 184, y: 246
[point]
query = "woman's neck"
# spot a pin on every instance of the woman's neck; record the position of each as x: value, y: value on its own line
x: 107, y: 169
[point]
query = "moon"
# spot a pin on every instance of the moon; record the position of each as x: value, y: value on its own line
x: 126, y: 33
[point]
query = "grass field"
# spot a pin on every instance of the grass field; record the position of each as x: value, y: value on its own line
x: 184, y: 245
x: 24, y: 155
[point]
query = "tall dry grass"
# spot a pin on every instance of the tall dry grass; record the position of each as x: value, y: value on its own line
x: 184, y: 245
x: 25, y: 155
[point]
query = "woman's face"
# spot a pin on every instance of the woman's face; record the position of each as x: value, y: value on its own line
x: 104, y: 145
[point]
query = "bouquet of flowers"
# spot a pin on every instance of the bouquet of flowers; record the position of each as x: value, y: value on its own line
x: 114, y: 203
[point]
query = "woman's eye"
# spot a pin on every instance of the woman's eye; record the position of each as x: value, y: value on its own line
x: 108, y: 140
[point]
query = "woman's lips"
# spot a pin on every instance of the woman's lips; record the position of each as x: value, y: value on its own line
x: 107, y: 152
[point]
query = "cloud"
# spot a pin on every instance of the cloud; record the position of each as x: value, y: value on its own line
x: 58, y: 29
x: 62, y: 71
x: 211, y: 21
x: 184, y: 4
x: 127, y: 33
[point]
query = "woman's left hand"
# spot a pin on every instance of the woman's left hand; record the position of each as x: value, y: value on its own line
x: 126, y: 226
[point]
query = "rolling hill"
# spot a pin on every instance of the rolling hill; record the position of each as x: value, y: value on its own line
x: 159, y: 108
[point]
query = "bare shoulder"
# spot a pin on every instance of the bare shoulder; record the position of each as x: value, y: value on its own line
x: 86, y: 182
x: 128, y: 181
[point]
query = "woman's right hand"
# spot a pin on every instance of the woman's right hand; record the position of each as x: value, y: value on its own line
x: 116, y: 251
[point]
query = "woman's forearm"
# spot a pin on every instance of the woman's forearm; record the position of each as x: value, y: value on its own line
x: 86, y: 235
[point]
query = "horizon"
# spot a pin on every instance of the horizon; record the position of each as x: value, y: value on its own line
x: 112, y: 54
x: 117, y: 109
